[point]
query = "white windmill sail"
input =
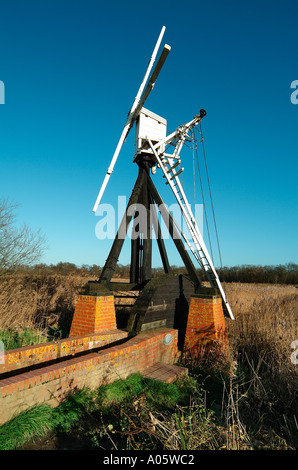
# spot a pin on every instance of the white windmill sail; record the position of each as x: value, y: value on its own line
x: 136, y: 107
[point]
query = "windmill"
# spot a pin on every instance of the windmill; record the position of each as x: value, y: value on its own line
x: 157, y: 151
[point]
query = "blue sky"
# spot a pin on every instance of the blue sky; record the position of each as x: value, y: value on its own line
x: 71, y: 70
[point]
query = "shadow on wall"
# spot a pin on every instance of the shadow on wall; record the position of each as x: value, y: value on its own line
x: 181, y: 314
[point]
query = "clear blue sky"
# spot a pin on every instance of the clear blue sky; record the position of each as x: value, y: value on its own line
x: 71, y: 70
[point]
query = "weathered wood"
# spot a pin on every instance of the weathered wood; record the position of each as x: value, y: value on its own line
x: 147, y: 237
x: 159, y: 239
x: 175, y: 235
x: 141, y: 247
x: 163, y: 301
x: 110, y: 265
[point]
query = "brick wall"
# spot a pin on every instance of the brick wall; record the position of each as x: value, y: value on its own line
x: 31, y: 355
x: 205, y: 325
x: 93, y: 314
x: 52, y: 383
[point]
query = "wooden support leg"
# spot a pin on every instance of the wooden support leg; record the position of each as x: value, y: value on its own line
x: 110, y: 265
x: 158, y: 234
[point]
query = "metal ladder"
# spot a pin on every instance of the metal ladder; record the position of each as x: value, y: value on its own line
x: 200, y: 251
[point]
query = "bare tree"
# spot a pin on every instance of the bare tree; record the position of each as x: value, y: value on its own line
x: 18, y: 246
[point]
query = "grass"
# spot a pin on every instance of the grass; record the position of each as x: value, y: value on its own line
x: 13, y: 339
x: 29, y: 424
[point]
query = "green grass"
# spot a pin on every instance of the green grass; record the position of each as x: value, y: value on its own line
x: 36, y: 422
x: 17, y: 339
x: 33, y: 423
x: 158, y: 394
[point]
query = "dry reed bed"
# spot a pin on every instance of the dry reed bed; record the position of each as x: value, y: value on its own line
x: 266, y: 326
x: 43, y: 300
x: 266, y: 317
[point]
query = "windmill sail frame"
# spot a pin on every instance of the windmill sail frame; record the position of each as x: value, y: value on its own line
x: 135, y: 110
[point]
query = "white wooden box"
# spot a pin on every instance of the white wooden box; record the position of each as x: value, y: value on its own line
x: 149, y: 126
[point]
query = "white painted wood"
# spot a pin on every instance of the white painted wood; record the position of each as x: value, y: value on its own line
x: 149, y: 126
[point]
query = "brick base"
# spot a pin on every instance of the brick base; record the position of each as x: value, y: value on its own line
x: 205, y: 328
x: 93, y: 314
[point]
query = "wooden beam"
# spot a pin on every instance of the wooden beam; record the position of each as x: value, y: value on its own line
x: 159, y: 239
x: 168, y: 218
x: 112, y: 260
x: 147, y: 237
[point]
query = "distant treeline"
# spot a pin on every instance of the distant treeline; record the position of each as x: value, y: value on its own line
x: 280, y: 274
